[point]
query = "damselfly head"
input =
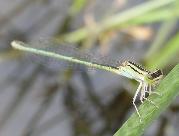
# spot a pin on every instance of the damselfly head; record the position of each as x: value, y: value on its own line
x: 156, y: 75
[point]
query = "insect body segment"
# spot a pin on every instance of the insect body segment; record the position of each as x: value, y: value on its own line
x: 132, y: 71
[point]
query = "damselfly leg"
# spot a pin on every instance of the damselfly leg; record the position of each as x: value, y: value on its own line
x: 134, y: 99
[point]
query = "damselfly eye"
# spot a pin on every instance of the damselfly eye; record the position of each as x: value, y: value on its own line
x: 156, y: 74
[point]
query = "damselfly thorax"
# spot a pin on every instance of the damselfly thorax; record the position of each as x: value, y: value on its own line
x: 147, y: 80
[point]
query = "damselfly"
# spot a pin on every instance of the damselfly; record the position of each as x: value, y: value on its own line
x: 147, y: 79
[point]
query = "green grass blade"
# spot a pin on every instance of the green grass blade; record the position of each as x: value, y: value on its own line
x: 158, y: 15
x: 169, y: 89
x: 132, y: 13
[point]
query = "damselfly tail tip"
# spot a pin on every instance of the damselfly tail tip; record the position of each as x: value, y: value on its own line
x: 13, y: 44
x: 16, y: 44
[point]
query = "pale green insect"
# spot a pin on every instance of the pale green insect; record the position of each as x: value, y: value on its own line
x: 147, y: 80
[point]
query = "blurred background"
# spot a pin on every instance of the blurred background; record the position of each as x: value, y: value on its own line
x: 38, y: 100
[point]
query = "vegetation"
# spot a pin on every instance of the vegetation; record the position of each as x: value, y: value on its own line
x: 148, y: 29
